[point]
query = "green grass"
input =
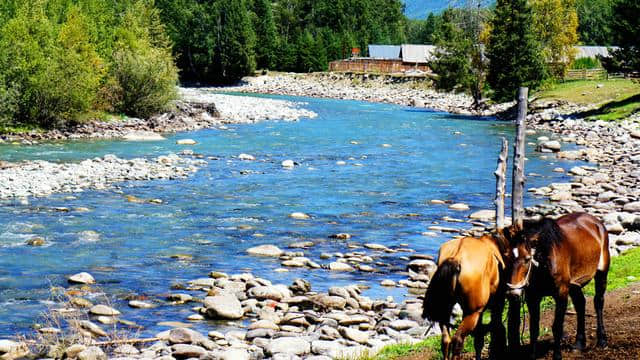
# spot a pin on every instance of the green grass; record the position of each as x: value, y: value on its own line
x: 19, y: 129
x: 625, y: 270
x: 587, y: 92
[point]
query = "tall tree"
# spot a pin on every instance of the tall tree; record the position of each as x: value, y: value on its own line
x: 595, y: 18
x: 556, y: 25
x: 266, y: 34
x: 513, y: 50
x: 626, y: 26
x: 234, y: 55
x: 459, y: 61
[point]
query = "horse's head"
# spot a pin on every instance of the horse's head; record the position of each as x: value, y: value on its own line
x: 523, y: 263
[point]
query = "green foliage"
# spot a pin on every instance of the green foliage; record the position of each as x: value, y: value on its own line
x: 424, y: 31
x: 266, y: 34
x: 513, y: 51
x: 595, y: 18
x: 57, y: 60
x: 586, y: 63
x: 459, y: 61
x: 556, y: 25
x: 626, y: 26
x: 220, y: 41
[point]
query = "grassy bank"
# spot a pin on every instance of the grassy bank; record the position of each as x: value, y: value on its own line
x: 625, y: 269
x: 615, y: 99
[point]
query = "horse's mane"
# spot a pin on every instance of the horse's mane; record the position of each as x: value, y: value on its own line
x: 546, y: 231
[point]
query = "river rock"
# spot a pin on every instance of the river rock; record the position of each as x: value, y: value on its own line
x: 332, y: 349
x: 299, y: 216
x: 82, y: 278
x: 265, y: 250
x: 483, y: 215
x: 36, y: 241
x: 289, y: 345
x: 92, y: 353
x: 186, y: 142
x: 459, y: 207
x: 552, y: 145
x: 246, y: 157
x: 632, y: 207
x: 140, y: 304
x: 185, y: 336
x: 276, y: 292
x: 184, y: 351
x: 288, y: 164
x: 141, y: 135
x: 103, y: 310
x: 223, y: 306
x: 401, y: 325
x: 235, y: 354
x: 327, y: 301
x: 354, y: 334
x: 339, y: 266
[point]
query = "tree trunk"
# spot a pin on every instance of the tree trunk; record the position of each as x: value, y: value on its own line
x: 501, y: 182
x: 517, y: 202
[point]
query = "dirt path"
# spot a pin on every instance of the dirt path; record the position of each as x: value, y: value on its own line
x: 622, y: 322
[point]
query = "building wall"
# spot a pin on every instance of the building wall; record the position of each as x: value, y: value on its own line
x: 382, y: 66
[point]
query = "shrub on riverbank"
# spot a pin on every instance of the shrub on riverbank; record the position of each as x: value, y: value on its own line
x: 60, y: 60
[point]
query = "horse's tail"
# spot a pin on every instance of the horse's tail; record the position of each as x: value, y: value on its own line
x: 440, y: 297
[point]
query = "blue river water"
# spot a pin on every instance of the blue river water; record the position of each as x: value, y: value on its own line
x: 214, y: 215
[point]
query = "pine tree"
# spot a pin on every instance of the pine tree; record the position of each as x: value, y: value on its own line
x: 266, y: 35
x: 235, y: 40
x: 513, y: 51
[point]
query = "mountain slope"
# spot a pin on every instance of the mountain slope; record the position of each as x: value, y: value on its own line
x: 419, y: 9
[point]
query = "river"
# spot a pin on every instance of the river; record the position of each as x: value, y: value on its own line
x: 215, y: 215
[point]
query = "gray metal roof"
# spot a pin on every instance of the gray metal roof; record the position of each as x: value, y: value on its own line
x: 384, y: 51
x: 593, y: 51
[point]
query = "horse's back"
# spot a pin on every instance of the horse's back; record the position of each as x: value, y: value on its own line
x: 479, y: 260
x: 585, y: 245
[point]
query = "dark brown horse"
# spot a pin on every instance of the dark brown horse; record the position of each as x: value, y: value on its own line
x: 469, y: 273
x: 558, y: 258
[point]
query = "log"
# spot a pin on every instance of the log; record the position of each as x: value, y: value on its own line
x: 517, y: 201
x: 501, y: 183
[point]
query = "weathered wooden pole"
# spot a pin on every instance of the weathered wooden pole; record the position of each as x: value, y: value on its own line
x: 501, y: 183
x: 517, y: 188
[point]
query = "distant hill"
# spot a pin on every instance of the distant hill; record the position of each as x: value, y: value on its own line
x: 419, y: 9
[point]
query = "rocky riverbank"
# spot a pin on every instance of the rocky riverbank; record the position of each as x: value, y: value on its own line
x: 43, y: 178
x: 196, y: 110
x: 366, y: 87
x: 608, y: 187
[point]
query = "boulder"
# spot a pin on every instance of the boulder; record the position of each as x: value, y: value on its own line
x: 186, y: 142
x: 82, y: 278
x: 289, y: 345
x: 459, y: 207
x: 103, y: 310
x: 339, y: 266
x: 354, y: 334
x: 265, y: 250
x: 142, y: 136
x: 483, y: 215
x: 223, y: 306
x: 92, y: 353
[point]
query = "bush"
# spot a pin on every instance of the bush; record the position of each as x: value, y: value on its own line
x: 146, y: 80
x: 586, y: 63
x: 51, y: 72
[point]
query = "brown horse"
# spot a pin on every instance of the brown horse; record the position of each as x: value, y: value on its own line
x: 469, y: 273
x: 558, y: 258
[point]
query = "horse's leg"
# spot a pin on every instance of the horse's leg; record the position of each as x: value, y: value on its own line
x: 513, y: 324
x: 558, y: 322
x: 446, y: 341
x: 533, y: 303
x: 577, y: 297
x: 467, y: 325
x: 498, y: 332
x: 598, y: 303
x: 478, y: 338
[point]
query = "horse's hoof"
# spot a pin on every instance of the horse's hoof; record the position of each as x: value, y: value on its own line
x: 602, y: 343
x: 578, y: 346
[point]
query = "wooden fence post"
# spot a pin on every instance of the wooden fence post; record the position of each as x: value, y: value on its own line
x: 501, y: 182
x: 517, y: 188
